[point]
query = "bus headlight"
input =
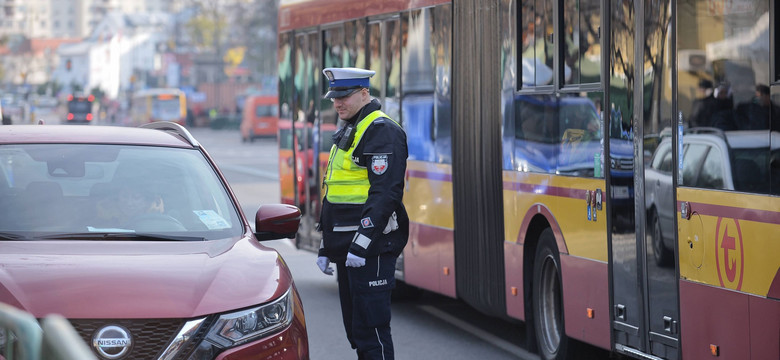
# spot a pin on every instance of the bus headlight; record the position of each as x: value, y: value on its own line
x: 243, y: 326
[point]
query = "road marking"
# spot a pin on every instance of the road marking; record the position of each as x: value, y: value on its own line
x: 481, y: 334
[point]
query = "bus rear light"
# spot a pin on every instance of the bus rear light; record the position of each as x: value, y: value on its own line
x: 89, y: 117
x: 70, y: 116
x: 70, y: 97
x: 91, y: 98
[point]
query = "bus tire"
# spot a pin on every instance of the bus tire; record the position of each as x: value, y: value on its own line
x: 548, y: 300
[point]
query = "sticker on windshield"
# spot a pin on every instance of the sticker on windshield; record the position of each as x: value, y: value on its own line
x: 211, y: 219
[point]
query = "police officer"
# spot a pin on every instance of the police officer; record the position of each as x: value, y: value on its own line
x: 363, y: 221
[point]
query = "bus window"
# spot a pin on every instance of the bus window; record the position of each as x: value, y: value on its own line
x: 582, y: 50
x: 581, y: 151
x: 726, y: 103
x: 536, y: 46
x: 558, y: 135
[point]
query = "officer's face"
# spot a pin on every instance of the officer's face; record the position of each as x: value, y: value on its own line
x: 349, y: 105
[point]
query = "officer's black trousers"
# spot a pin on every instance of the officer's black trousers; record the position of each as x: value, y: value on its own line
x: 365, y: 305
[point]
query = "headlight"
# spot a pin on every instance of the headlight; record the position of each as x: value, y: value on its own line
x: 243, y: 326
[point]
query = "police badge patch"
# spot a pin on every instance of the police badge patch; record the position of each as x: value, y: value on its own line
x: 379, y: 164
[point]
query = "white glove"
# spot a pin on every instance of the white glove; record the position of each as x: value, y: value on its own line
x: 324, y: 265
x: 392, y: 224
x: 355, y: 261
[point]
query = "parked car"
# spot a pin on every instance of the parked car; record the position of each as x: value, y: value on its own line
x: 135, y: 237
x: 712, y: 159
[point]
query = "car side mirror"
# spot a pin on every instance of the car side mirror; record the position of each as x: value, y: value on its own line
x: 277, y: 221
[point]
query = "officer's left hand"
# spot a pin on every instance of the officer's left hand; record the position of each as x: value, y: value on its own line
x: 355, y: 261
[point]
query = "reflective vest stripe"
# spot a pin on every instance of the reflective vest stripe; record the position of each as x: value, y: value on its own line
x: 347, y: 182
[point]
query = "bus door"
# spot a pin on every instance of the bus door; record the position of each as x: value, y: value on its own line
x: 643, y: 236
x: 307, y: 92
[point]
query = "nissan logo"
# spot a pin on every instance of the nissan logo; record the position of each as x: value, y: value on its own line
x: 112, y: 342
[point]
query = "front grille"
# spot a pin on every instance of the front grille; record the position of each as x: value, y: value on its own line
x: 622, y: 164
x: 150, y: 336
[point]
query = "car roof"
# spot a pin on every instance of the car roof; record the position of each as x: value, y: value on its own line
x: 89, y: 134
x: 753, y: 139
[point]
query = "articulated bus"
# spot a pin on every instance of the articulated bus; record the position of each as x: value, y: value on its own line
x: 158, y: 104
x: 604, y: 172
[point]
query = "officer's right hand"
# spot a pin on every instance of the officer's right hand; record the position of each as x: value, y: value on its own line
x: 324, y: 265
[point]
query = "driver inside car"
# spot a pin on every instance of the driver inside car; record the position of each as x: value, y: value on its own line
x: 128, y: 204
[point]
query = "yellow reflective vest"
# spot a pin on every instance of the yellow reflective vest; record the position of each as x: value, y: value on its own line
x: 345, y: 181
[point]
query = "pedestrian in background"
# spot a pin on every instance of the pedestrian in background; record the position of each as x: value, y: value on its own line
x: 363, y: 220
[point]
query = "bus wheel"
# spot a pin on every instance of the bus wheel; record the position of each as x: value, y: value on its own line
x: 548, y: 299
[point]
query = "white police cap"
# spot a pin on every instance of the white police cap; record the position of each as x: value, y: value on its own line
x: 342, y: 81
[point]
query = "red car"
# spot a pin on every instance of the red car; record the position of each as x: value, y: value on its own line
x: 135, y: 237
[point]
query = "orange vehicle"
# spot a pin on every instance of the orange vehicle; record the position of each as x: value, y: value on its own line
x: 261, y: 117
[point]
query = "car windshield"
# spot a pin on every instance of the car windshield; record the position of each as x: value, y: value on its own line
x: 266, y: 110
x: 132, y: 193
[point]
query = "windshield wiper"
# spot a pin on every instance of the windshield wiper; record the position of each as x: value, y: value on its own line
x: 12, y: 236
x: 130, y: 236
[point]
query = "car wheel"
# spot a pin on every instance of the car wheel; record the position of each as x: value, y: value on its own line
x: 548, y: 300
x: 661, y: 254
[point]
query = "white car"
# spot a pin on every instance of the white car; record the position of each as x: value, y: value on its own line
x: 712, y: 159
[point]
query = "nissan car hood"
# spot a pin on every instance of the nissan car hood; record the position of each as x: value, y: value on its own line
x: 123, y: 279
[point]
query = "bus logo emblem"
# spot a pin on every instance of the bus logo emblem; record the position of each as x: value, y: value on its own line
x: 729, y: 254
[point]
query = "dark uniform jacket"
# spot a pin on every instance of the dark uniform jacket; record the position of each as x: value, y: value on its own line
x: 384, y: 138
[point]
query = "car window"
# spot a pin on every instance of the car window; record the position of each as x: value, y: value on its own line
x: 693, y: 158
x: 73, y: 188
x: 711, y: 174
x: 750, y: 170
x: 663, y: 158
